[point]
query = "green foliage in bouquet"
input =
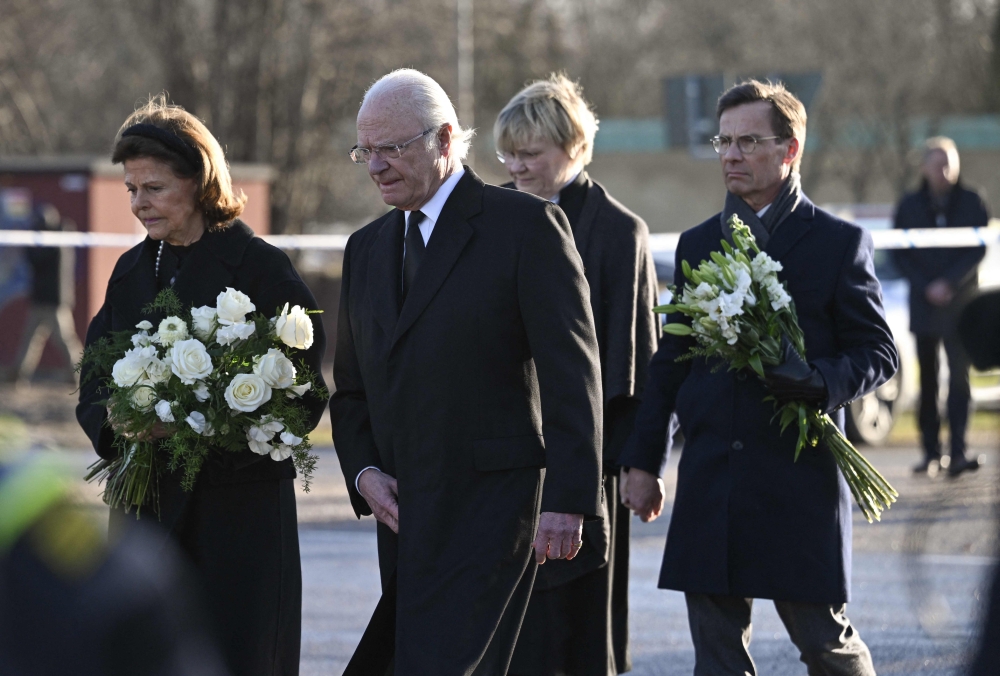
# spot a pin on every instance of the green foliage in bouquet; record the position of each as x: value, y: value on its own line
x: 209, y: 380
x: 739, y: 312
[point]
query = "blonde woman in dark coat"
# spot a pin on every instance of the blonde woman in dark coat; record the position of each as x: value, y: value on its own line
x: 577, y: 619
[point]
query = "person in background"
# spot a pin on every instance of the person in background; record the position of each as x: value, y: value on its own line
x: 941, y: 282
x: 577, y: 619
x: 51, y: 312
x: 979, y: 331
x: 73, y: 603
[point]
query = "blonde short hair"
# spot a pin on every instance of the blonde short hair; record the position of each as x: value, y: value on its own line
x: 944, y: 144
x: 552, y: 109
x: 216, y: 198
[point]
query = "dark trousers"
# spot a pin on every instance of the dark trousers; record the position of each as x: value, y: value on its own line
x: 958, y: 394
x: 721, y: 631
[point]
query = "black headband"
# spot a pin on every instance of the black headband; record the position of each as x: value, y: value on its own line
x: 167, y: 138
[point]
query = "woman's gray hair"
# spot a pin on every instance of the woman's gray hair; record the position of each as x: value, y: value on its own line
x: 552, y: 109
x: 430, y: 103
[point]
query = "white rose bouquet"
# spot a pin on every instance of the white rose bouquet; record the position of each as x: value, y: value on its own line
x: 740, y: 311
x: 214, y: 379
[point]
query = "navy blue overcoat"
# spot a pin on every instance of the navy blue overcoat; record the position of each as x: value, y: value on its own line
x: 747, y: 519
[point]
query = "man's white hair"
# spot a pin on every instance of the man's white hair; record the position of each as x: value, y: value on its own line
x: 430, y: 103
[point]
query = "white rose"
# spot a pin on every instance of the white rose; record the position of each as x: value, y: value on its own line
x: 143, y: 397
x: 157, y: 371
x: 280, y: 452
x: 230, y: 333
x: 141, y: 339
x: 163, y: 411
x: 247, y: 392
x: 203, y: 321
x: 290, y: 439
x: 201, y: 392
x: 127, y: 372
x: 232, y: 306
x: 130, y: 368
x: 171, y: 330
x: 294, y: 328
x: 144, y: 325
x: 199, y: 424
x: 189, y: 360
x: 298, y: 390
x: 275, y: 368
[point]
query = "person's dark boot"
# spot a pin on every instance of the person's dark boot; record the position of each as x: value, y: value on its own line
x: 961, y: 464
x: 929, y: 466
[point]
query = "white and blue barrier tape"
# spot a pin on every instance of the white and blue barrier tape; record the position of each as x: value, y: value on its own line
x: 659, y: 242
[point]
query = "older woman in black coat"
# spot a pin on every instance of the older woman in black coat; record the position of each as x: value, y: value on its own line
x: 238, y: 525
x: 577, y: 619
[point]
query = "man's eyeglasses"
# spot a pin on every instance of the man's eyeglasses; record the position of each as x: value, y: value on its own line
x: 390, y: 151
x: 746, y: 144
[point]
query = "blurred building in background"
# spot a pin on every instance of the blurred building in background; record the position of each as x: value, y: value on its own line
x: 90, y: 195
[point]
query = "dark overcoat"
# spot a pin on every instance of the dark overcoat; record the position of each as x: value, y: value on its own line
x: 582, y: 628
x: 959, y: 265
x: 747, y: 519
x: 488, y: 374
x: 238, y: 525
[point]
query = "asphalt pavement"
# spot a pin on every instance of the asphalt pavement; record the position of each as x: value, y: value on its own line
x: 919, y: 579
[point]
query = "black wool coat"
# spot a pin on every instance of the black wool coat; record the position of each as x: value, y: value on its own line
x: 589, y: 634
x: 958, y: 265
x: 747, y: 519
x: 238, y: 525
x: 485, y: 384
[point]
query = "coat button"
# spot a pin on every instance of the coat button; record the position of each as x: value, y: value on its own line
x: 737, y: 445
x: 741, y: 376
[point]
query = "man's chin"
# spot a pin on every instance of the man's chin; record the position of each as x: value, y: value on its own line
x: 391, y: 196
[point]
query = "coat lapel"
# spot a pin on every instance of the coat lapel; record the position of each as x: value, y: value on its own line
x: 385, y: 264
x: 136, y: 287
x: 451, y: 233
x: 591, y: 207
x: 792, y: 230
x: 209, y: 271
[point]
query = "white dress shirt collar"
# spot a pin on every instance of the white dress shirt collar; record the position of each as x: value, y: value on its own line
x: 432, y: 209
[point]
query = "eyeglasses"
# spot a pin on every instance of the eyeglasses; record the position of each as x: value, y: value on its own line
x: 390, y: 151
x: 746, y: 144
x: 525, y: 156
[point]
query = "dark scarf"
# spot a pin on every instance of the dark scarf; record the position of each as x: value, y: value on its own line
x: 763, y: 227
x: 572, y: 197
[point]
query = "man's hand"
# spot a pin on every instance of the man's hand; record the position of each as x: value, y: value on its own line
x: 939, y: 292
x: 642, y: 492
x: 560, y: 536
x: 380, y: 491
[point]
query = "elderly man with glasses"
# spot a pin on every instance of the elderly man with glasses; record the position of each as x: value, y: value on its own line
x: 467, y: 412
x: 748, y: 520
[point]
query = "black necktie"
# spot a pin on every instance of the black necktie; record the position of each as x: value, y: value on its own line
x: 414, y: 250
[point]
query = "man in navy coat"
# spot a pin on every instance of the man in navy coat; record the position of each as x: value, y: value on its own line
x: 748, y: 520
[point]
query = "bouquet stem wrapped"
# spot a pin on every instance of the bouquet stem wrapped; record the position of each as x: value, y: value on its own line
x: 208, y: 380
x: 740, y: 311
